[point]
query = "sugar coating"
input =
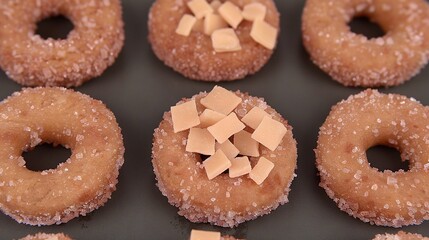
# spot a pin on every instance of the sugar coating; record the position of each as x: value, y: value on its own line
x: 194, y: 56
x: 368, y: 119
x: 400, y: 236
x: 353, y: 59
x: 76, y: 187
x: 91, y: 47
x: 45, y: 236
x: 222, y: 201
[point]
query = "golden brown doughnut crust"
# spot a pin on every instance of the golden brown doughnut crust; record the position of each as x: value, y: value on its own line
x: 400, y: 236
x: 368, y: 119
x: 193, y: 56
x: 76, y: 187
x: 44, y: 236
x: 91, y: 47
x: 354, y: 60
x: 222, y: 201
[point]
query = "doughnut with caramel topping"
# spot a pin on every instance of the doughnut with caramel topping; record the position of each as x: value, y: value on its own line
x: 224, y: 200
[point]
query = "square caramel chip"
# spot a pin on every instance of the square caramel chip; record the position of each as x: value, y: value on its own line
x: 239, y: 166
x: 228, y: 149
x: 200, y: 8
x: 204, y: 235
x: 186, y: 24
x: 213, y: 22
x: 247, y: 146
x: 210, y: 117
x: 226, y: 127
x: 216, y: 164
x: 254, y: 117
x: 184, y: 116
x: 225, y: 40
x: 231, y: 13
x: 253, y: 11
x: 215, y: 5
x: 200, y: 141
x: 221, y: 100
x: 264, y: 34
x: 261, y: 171
x: 269, y: 133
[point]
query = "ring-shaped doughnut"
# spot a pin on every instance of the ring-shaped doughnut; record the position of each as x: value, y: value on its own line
x: 368, y: 119
x: 222, y: 201
x: 91, y: 47
x: 44, y: 236
x: 193, y: 56
x: 76, y: 187
x: 353, y: 59
x: 400, y: 236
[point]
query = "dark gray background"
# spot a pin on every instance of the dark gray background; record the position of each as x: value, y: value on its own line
x: 138, y: 88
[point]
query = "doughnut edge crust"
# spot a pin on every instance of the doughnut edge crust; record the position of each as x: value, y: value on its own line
x: 231, y: 203
x: 401, y: 235
x: 45, y: 236
x: 90, y: 48
x: 194, y: 57
x: 46, y: 203
x: 353, y: 59
x: 353, y: 126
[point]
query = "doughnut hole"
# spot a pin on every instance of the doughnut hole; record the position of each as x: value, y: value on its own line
x: 55, y: 27
x: 386, y: 158
x: 364, y: 26
x: 45, y: 157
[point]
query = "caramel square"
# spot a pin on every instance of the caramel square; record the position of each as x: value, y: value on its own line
x: 186, y: 24
x: 210, y: 117
x: 231, y: 13
x: 204, y: 235
x: 261, y: 171
x: 226, y: 127
x: 247, y: 146
x: 213, y: 22
x: 216, y: 164
x: 200, y: 8
x: 269, y: 133
x: 239, y: 166
x: 184, y: 116
x: 253, y: 11
x: 221, y: 100
x: 264, y: 34
x: 225, y: 40
x: 254, y: 117
x: 200, y: 141
x: 228, y: 149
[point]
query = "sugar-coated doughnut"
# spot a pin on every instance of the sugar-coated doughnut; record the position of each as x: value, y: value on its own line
x: 368, y: 119
x: 222, y: 201
x: 45, y: 236
x: 76, y: 187
x: 193, y: 56
x: 400, y: 236
x: 353, y: 59
x: 91, y: 47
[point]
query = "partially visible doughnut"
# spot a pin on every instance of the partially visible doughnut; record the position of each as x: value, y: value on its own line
x: 76, y: 187
x: 44, y: 236
x: 354, y: 60
x: 91, y: 47
x: 193, y: 56
x: 368, y: 119
x: 400, y: 236
x: 222, y: 201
